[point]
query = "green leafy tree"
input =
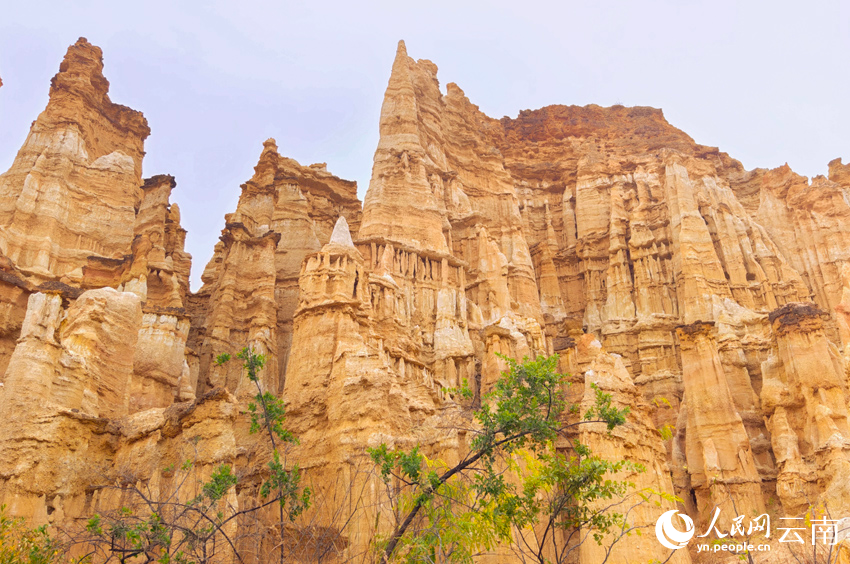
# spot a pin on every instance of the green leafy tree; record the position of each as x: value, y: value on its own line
x: 20, y: 544
x: 165, y: 527
x: 511, y: 476
x: 267, y: 415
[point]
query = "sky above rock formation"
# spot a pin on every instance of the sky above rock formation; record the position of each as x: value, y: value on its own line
x: 764, y: 81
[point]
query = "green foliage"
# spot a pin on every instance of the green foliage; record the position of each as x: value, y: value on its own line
x: 270, y: 415
x: 167, y: 530
x: 409, y: 463
x: 221, y: 480
x: 464, y: 392
x: 20, y: 544
x: 287, y: 483
x: 574, y: 484
x: 602, y: 410
x: 252, y: 362
x: 511, y: 477
x: 527, y: 405
x: 130, y: 535
x: 93, y: 525
x: 666, y: 431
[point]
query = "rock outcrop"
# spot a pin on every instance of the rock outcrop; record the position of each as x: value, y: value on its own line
x: 75, y: 213
x: 804, y: 396
x: 711, y: 300
x: 637, y: 441
x: 250, y: 293
x: 74, y: 188
x: 78, y: 363
x: 433, y: 156
x: 93, y: 284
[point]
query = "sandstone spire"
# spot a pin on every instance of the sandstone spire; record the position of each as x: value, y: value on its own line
x: 341, y: 234
x: 75, y: 213
x: 86, y: 153
x: 453, y: 192
x: 286, y: 212
x: 804, y: 398
x: 400, y: 205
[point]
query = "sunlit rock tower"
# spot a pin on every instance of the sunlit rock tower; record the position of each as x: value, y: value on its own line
x: 94, y: 280
x: 286, y: 211
x: 438, y: 280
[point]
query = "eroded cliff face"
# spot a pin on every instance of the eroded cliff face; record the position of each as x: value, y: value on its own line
x: 93, y: 282
x: 711, y: 300
x: 83, y: 156
x: 250, y: 292
x: 74, y: 211
x: 610, y: 222
x: 677, y: 259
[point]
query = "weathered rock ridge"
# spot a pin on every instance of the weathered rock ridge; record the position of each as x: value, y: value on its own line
x: 711, y: 300
x: 286, y: 211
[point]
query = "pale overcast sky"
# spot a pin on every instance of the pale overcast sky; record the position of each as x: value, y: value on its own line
x: 766, y: 82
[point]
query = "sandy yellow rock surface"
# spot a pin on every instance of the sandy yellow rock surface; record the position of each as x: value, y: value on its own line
x: 711, y: 300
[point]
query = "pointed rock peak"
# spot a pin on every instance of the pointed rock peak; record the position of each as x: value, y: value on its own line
x: 401, y: 68
x: 269, y: 148
x: 80, y: 83
x: 341, y: 234
x: 453, y: 89
x: 270, y: 145
x: 269, y: 156
x: 82, y: 70
x: 400, y: 204
x: 839, y: 172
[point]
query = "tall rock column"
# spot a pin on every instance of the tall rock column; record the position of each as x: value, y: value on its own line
x: 636, y: 441
x: 73, y: 187
x: 399, y: 204
x: 159, y: 272
x: 286, y: 212
x: 804, y: 397
x: 701, y: 279
x: 357, y: 375
x: 717, y: 449
x: 71, y: 372
x: 243, y: 312
x: 449, y: 201
x: 69, y: 202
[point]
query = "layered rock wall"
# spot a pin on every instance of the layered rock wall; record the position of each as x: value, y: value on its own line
x: 74, y: 186
x: 711, y: 300
x: 93, y: 283
x: 250, y: 291
x: 75, y: 213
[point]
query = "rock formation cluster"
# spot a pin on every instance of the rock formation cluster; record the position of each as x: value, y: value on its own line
x: 711, y: 300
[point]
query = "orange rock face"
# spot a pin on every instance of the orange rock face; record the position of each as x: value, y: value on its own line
x: 711, y: 300
x: 250, y: 293
x: 93, y: 280
x: 84, y: 154
x: 75, y: 213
